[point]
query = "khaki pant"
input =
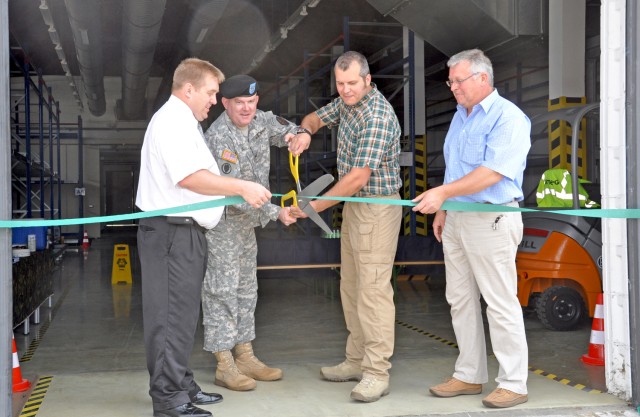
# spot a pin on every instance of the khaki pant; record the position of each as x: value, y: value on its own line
x: 479, y: 254
x: 368, y: 248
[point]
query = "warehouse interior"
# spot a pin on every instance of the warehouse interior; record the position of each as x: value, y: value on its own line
x: 86, y: 76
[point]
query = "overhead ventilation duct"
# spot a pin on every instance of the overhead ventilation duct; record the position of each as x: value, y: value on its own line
x: 84, y: 17
x: 199, y: 23
x: 141, y: 21
x: 455, y: 25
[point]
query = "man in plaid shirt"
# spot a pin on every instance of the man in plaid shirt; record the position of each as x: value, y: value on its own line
x: 368, y: 166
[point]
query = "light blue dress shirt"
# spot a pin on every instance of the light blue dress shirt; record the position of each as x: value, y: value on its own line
x: 495, y: 135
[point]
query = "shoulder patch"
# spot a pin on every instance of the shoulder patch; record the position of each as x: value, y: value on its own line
x: 227, y: 155
x: 282, y: 121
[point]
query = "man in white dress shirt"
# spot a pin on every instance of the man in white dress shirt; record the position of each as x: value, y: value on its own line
x: 176, y: 169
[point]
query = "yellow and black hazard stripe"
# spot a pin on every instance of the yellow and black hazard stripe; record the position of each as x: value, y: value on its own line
x: 28, y: 354
x: 420, y: 165
x: 536, y: 371
x: 560, y: 132
x: 425, y: 333
x: 564, y: 381
x: 32, y: 406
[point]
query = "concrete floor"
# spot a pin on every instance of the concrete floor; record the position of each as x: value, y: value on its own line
x: 86, y: 357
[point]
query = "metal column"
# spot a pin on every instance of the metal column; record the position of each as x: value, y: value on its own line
x: 6, y: 289
x: 633, y: 196
x: 80, y: 178
x: 412, y: 130
x: 51, y: 170
x: 27, y: 133
x: 58, y: 164
x: 41, y: 90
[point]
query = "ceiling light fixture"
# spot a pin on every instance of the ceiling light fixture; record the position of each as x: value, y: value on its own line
x: 55, y: 38
x: 59, y: 52
x: 276, y: 39
x: 46, y: 13
x: 84, y: 36
x: 201, y: 35
x: 54, y: 35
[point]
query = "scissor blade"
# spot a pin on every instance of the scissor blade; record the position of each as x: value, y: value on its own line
x: 315, y: 217
x: 306, y: 195
x: 315, y: 188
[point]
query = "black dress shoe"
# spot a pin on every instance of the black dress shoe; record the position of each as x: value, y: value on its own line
x: 203, y: 398
x: 183, y: 410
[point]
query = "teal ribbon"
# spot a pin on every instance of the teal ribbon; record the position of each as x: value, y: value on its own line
x: 448, y: 205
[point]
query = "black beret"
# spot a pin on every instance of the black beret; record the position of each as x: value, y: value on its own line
x: 239, y: 86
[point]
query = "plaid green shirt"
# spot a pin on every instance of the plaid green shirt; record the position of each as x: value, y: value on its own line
x: 368, y: 135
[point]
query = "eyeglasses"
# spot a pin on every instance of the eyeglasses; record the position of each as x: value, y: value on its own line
x: 450, y: 82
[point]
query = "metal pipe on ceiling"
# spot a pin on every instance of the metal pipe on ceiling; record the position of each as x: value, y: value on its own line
x: 86, y: 25
x: 141, y: 21
x: 202, y: 18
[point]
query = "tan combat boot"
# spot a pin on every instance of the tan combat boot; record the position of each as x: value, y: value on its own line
x: 228, y: 375
x: 251, y: 366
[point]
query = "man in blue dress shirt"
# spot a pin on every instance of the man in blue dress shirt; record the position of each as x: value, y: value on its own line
x: 485, y: 154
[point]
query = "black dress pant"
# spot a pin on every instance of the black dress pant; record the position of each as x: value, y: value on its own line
x: 173, y: 261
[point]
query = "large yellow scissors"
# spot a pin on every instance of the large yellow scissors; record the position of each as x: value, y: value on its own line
x: 301, y: 198
x: 291, y: 195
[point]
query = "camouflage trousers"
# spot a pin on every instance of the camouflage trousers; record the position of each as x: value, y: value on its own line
x: 230, y: 288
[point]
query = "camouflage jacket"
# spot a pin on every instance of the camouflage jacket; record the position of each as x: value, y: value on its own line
x: 247, y: 157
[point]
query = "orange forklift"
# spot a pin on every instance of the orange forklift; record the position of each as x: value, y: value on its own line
x: 559, y: 261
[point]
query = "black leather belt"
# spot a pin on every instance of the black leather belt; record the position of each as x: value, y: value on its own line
x: 501, y: 204
x: 185, y: 221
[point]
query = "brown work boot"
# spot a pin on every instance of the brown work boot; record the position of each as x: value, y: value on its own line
x: 503, y: 398
x: 229, y: 376
x: 251, y: 366
x: 453, y: 387
x: 346, y: 371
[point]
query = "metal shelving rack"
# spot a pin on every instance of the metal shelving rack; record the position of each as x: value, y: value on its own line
x: 36, y: 183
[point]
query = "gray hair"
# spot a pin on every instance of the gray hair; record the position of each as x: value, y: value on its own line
x: 478, y: 60
x: 345, y: 60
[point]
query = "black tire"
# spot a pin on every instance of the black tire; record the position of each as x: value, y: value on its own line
x: 561, y: 308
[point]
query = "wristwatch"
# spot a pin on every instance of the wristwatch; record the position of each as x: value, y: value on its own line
x: 301, y: 129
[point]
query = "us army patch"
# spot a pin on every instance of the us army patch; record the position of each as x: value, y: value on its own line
x: 227, y: 155
x: 282, y: 121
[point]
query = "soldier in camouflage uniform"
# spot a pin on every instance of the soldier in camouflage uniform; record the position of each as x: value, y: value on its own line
x: 239, y: 139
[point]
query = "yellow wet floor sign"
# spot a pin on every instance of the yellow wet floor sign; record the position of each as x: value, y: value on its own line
x: 121, y: 270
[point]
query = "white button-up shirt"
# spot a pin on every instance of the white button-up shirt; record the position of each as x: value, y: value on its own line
x: 173, y: 149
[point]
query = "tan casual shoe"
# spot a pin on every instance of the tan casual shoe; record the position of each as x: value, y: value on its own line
x: 229, y: 376
x: 453, y: 387
x: 253, y: 367
x: 503, y: 398
x: 346, y: 371
x: 370, y: 389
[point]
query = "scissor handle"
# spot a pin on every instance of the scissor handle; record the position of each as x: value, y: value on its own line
x: 290, y: 195
x: 293, y: 164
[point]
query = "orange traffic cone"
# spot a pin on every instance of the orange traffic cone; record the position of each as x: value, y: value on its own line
x: 19, y: 384
x: 595, y: 356
x: 85, y: 241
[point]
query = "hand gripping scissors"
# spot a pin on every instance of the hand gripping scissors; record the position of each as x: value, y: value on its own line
x: 302, y: 198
